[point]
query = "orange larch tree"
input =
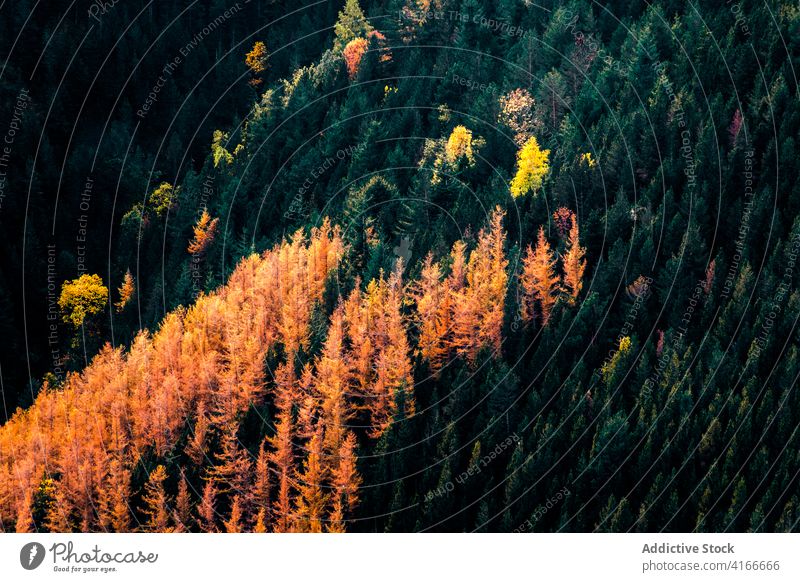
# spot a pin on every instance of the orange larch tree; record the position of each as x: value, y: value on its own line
x: 331, y: 383
x: 114, y: 512
x: 232, y: 468
x: 207, y: 508
x: 196, y: 447
x: 539, y: 280
x: 311, y: 496
x: 182, y: 515
x: 574, y: 264
x: 156, y: 502
x: 282, y: 456
x: 197, y: 374
x: 429, y: 294
x: 478, y: 306
x: 353, y: 53
x: 380, y: 349
x: 126, y: 291
x: 262, y: 482
x: 394, y: 374
x: 494, y: 295
x: 345, y: 484
x: 234, y: 522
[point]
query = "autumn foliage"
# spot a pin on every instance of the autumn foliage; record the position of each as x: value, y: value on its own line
x: 459, y: 145
x: 82, y: 298
x: 125, y: 291
x: 256, y: 61
x: 200, y: 371
x: 574, y: 263
x: 541, y: 283
x: 517, y: 113
x: 353, y: 53
x: 563, y: 218
x: 462, y: 313
x: 539, y: 280
x: 532, y: 167
x: 204, y: 232
x: 150, y: 438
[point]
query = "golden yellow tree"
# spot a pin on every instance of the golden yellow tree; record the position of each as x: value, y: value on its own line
x: 532, y: 167
x: 81, y: 298
x: 218, y: 150
x: 459, y: 145
x: 256, y: 61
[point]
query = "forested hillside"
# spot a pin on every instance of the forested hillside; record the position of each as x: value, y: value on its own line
x: 400, y: 265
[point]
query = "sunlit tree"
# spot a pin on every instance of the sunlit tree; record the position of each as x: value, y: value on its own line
x: 532, y: 167
x: 156, y: 501
x: 574, y: 263
x: 82, y: 298
x: 350, y: 25
x: 125, y: 291
x: 539, y: 281
x: 204, y: 232
x: 353, y: 53
x: 311, y: 496
x: 256, y: 61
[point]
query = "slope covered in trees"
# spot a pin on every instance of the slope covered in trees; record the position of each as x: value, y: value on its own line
x: 188, y: 408
x: 564, y: 260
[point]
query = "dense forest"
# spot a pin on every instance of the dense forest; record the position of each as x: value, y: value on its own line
x: 399, y: 266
